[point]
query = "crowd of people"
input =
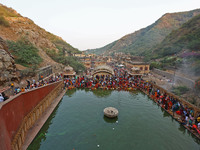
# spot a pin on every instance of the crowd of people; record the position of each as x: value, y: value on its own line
x: 30, y: 85
x: 123, y: 81
x: 173, y: 106
x: 120, y: 80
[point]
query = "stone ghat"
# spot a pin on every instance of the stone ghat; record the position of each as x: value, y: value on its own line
x: 170, y: 112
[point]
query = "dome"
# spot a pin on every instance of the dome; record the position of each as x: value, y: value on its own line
x: 68, y: 68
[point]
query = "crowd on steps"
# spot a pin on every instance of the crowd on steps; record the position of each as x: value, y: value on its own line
x: 123, y: 81
x: 30, y: 85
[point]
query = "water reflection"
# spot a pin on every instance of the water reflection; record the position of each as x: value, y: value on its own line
x: 134, y: 92
x: 41, y: 136
x: 102, y: 93
x: 70, y: 93
x: 110, y: 120
x: 182, y: 129
x: 83, y: 123
x: 165, y: 114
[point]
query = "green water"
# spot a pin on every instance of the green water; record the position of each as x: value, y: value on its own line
x: 78, y: 123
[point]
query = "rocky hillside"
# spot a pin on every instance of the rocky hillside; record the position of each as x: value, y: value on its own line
x: 7, y: 64
x: 181, y: 48
x: 14, y: 27
x: 143, y: 40
x: 184, y: 39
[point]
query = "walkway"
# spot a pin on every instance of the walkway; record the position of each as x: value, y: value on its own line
x: 41, y: 121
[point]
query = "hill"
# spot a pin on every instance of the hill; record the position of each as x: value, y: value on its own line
x: 143, y: 40
x: 22, y: 33
x: 186, y: 38
x: 181, y: 48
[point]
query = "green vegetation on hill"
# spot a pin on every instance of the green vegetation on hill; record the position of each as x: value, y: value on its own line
x: 185, y: 38
x: 66, y: 60
x: 182, y: 44
x: 61, y: 44
x: 166, y: 62
x: 25, y: 53
x: 180, y: 90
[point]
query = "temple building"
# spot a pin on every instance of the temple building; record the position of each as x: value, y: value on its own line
x: 103, y: 70
x: 138, y: 68
x: 69, y: 72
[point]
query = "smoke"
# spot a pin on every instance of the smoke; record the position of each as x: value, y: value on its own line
x: 188, y: 73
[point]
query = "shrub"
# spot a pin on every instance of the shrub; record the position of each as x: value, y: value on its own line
x: 155, y: 65
x: 179, y: 90
x: 8, y: 12
x: 197, y: 84
x: 4, y: 22
x: 66, y: 60
x: 25, y: 53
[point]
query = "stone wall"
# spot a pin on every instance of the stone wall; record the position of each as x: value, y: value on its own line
x: 17, y: 115
x: 44, y: 71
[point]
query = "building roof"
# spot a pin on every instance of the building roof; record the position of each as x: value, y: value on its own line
x: 139, y: 63
x: 69, y: 73
x: 135, y: 68
x: 102, y: 68
x: 135, y: 74
x: 68, y: 68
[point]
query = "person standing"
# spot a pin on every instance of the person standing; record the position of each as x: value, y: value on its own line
x: 1, y: 98
x: 33, y: 81
x: 18, y: 90
x: 28, y: 84
x: 4, y: 96
x: 12, y: 88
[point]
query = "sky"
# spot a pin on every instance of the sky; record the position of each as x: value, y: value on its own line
x: 89, y: 24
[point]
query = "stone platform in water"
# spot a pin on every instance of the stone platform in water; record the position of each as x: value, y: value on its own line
x: 110, y: 112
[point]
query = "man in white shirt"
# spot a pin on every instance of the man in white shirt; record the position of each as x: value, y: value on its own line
x: 1, y: 98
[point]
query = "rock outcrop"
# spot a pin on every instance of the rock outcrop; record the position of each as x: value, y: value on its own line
x: 7, y: 64
x: 22, y: 27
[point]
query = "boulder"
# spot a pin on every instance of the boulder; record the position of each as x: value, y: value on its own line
x: 7, y: 65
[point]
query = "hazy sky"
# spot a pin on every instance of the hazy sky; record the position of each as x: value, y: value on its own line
x: 87, y: 24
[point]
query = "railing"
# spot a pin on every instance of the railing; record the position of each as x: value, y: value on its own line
x: 33, y: 116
